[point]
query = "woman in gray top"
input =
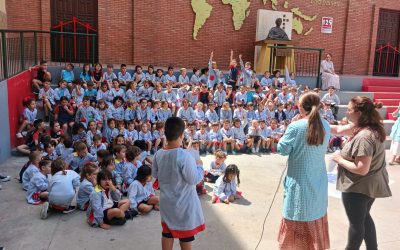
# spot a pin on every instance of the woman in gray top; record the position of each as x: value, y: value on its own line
x: 362, y: 174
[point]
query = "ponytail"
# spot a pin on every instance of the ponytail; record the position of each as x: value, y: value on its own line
x: 315, y: 131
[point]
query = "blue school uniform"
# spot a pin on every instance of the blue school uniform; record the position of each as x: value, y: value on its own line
x: 199, y: 115
x: 266, y: 133
x: 142, y: 77
x: 195, y: 80
x: 265, y: 81
x: 94, y: 149
x: 124, y: 77
x: 98, y: 202
x: 157, y: 135
x: 113, y: 93
x: 170, y: 78
x: 219, y: 97
x: 62, y: 188
x: 160, y: 79
x: 145, y: 136
x: 130, y: 114
x: 283, y: 98
x: 290, y: 114
x: 164, y: 114
x: 50, y: 94
x: 76, y: 162
x: 143, y: 115
x: 28, y: 175
x: 186, y: 114
x: 157, y: 95
x: 83, y: 197
x: 216, y: 170
x: 39, y: 183
x: 183, y: 79
x: 251, y: 115
x: 169, y: 96
x: 261, y: 115
x: 78, y: 98
x: 92, y: 93
x: 110, y: 134
x: 30, y: 115
x: 109, y: 77
x: 193, y: 98
x: 246, y: 74
x: 132, y: 95
x: 89, y: 137
x: 103, y: 96
x: 137, y: 193
x: 212, y: 116
x: 224, y: 189
x: 198, y: 136
x: 145, y: 92
x: 226, y: 134
x: 154, y: 116
x: 150, y: 77
x: 59, y: 92
x: 118, y: 113
x: 225, y: 115
x: 134, y: 135
x: 180, y: 208
x: 238, y: 134
x: 85, y: 115
x: 67, y: 75
x: 130, y: 172
x: 215, y: 136
x: 85, y: 77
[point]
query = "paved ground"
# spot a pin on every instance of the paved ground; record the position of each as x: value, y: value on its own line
x: 236, y: 226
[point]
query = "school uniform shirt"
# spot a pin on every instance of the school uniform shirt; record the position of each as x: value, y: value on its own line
x: 276, y: 132
x: 170, y: 78
x: 28, y: 175
x: 270, y: 115
x: 76, y: 162
x: 109, y: 77
x: 212, y: 116
x: 265, y: 81
x: 85, y: 115
x: 251, y: 115
x: 30, y: 115
x: 145, y: 136
x: 157, y: 135
x: 101, y: 115
x: 164, y: 114
x: 133, y: 135
x: 154, y: 115
x: 67, y: 75
x: 50, y: 94
x: 83, y: 197
x: 52, y: 156
x: 130, y: 172
x: 254, y: 131
x: 137, y: 193
x: 193, y: 98
x: 59, y: 92
x: 199, y: 136
x: 246, y: 74
x: 89, y: 136
x: 87, y: 76
x: 188, y: 134
x: 94, y: 149
x: 132, y: 95
x: 327, y: 115
x: 160, y: 79
x: 180, y: 208
x: 63, y: 152
x: 157, y: 95
x: 103, y: 96
x: 113, y: 93
x: 226, y: 134
x: 266, y: 132
x: 143, y: 115
x: 215, y: 169
x: 99, y: 201
x: 62, y: 187
x: 110, y: 134
x: 224, y: 189
x: 283, y: 98
x: 142, y: 77
x: 39, y: 183
x: 79, y: 137
x: 241, y: 97
x: 219, y: 97
x: 225, y: 115
x: 123, y: 132
x: 280, y: 116
x: 118, y: 113
x: 213, y: 75
x: 199, y: 115
x: 290, y: 114
x: 78, y: 97
x: 331, y: 99
x: 195, y: 80
x: 91, y: 93
x: 183, y: 79
x: 120, y: 167
x: 150, y: 77
x: 238, y: 134
x: 186, y: 114
x: 215, y: 136
x: 145, y: 92
x: 124, y: 77
x: 293, y: 98
x: 261, y: 115
x: 259, y: 96
x: 242, y: 115
x: 130, y: 114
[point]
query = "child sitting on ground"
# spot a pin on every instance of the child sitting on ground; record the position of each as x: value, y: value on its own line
x: 62, y: 189
x: 33, y: 168
x: 80, y: 157
x: 88, y: 181
x: 131, y: 167
x: 225, y: 189
x: 37, y: 189
x: 217, y: 167
x: 141, y: 193
x: 105, y: 206
x: 176, y: 169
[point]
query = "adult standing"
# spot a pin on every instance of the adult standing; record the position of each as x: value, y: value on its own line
x: 305, y: 224
x: 328, y: 75
x: 395, y: 135
x: 362, y: 174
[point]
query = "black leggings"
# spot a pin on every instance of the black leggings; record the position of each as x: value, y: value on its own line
x: 362, y: 226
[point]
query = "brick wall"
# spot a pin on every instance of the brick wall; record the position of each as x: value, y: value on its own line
x: 160, y: 32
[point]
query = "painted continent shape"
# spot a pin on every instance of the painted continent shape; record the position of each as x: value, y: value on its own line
x: 240, y: 9
x: 202, y: 11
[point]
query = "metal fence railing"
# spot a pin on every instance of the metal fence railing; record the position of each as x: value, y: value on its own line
x: 21, y: 49
x: 305, y: 62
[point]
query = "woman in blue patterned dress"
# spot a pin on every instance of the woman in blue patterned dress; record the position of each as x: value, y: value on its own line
x: 305, y: 225
x: 395, y: 135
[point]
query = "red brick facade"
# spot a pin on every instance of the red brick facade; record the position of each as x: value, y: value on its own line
x: 160, y: 32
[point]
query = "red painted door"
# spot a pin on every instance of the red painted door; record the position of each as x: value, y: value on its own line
x: 387, y: 53
x: 74, y: 16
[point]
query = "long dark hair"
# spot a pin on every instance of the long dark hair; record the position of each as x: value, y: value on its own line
x: 315, y: 131
x: 370, y: 117
x: 231, y: 169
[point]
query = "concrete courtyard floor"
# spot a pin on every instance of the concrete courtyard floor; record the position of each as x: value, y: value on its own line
x: 236, y: 226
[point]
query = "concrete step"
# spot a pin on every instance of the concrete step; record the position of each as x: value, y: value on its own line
x: 346, y: 96
x: 343, y: 109
x: 388, y: 141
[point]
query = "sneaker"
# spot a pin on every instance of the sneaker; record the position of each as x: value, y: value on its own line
x: 19, y: 136
x: 44, y: 210
x: 148, y: 153
x: 257, y: 150
x: 234, y: 152
x: 253, y: 150
x: 70, y: 209
x: 5, y: 178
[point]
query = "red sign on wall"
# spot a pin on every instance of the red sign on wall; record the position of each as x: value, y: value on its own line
x: 326, y: 26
